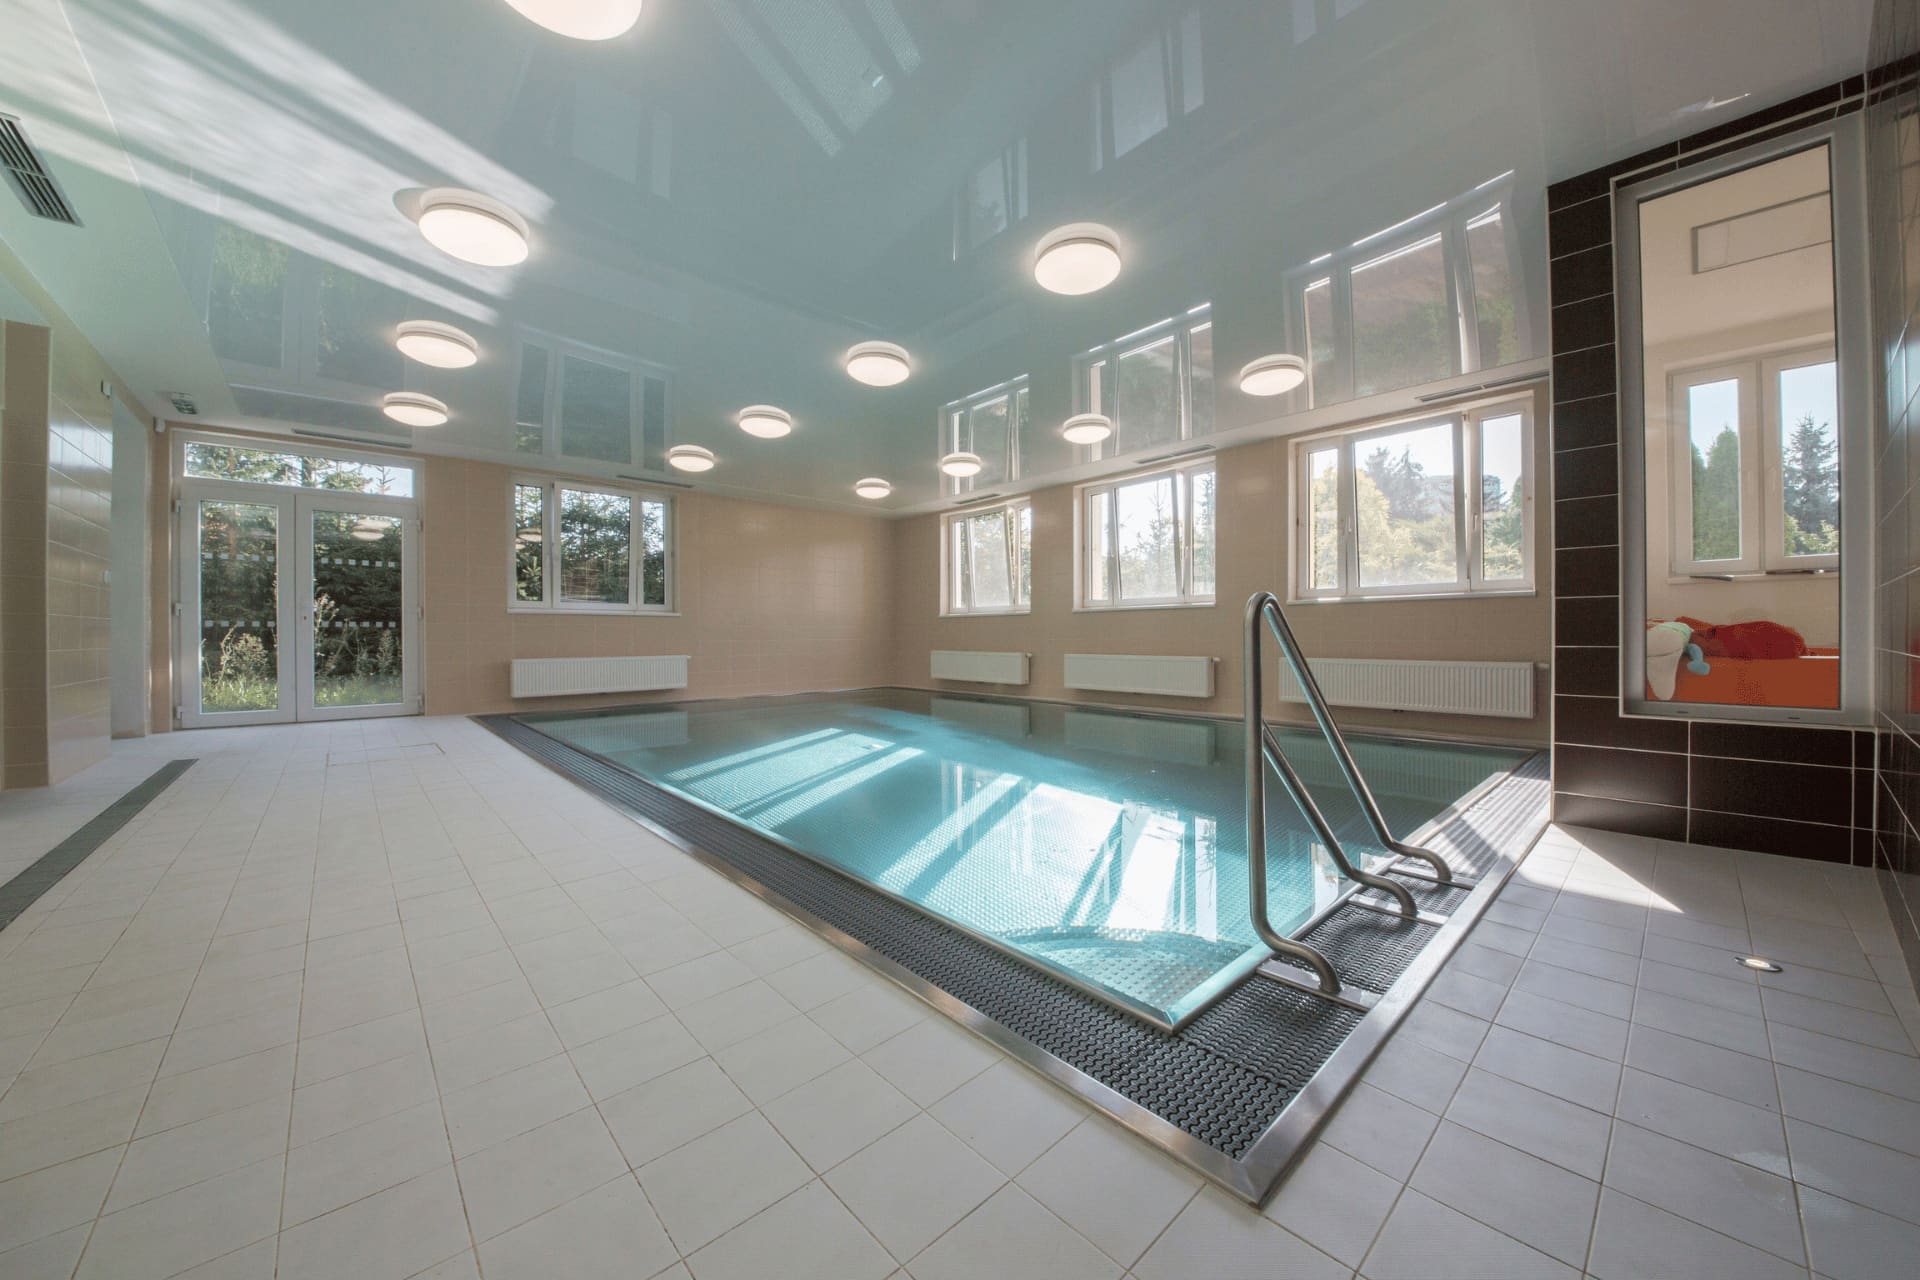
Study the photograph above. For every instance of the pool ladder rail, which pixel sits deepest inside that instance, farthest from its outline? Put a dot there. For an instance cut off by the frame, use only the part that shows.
(1263, 752)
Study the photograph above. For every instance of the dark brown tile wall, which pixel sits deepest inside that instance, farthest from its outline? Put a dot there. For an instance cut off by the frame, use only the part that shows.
(1801, 791)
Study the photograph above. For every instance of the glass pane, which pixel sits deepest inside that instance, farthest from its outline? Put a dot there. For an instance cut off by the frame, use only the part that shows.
(1502, 499)
(296, 470)
(246, 297)
(1139, 97)
(1713, 431)
(653, 553)
(987, 202)
(529, 535)
(596, 411)
(1099, 545)
(596, 547)
(1810, 460)
(1323, 526)
(957, 562)
(1492, 290)
(1403, 331)
(239, 606)
(1023, 540)
(1146, 397)
(1403, 495)
(1203, 570)
(356, 610)
(356, 320)
(1200, 380)
(1320, 339)
(987, 427)
(1149, 519)
(530, 402)
(987, 551)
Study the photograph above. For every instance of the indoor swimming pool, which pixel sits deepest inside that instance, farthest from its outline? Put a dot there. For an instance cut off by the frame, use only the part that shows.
(1108, 847)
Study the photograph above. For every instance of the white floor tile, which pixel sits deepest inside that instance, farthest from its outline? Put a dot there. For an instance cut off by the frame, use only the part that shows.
(394, 1234)
(1425, 1240)
(1009, 1115)
(1219, 1239)
(1110, 1187)
(714, 1183)
(343, 1167)
(1012, 1233)
(809, 1235)
(834, 1115)
(523, 1177)
(1334, 1203)
(671, 1110)
(1723, 1195)
(1636, 1241)
(610, 1233)
(907, 1213)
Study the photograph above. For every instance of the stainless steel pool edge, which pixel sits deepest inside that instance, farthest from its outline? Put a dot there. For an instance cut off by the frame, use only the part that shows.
(1254, 1178)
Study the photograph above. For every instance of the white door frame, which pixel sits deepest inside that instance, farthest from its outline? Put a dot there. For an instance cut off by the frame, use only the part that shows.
(307, 503)
(188, 631)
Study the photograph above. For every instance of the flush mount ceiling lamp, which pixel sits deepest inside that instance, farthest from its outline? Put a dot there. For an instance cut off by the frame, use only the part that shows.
(371, 528)
(873, 488)
(1081, 257)
(878, 364)
(410, 408)
(962, 465)
(473, 228)
(691, 457)
(582, 19)
(1273, 375)
(765, 421)
(1087, 428)
(436, 344)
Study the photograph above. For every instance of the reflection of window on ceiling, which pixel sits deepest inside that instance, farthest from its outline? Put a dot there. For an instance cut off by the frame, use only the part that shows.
(993, 199)
(272, 309)
(620, 136)
(1140, 93)
(1428, 298)
(991, 423)
(575, 401)
(841, 79)
(1310, 17)
(1155, 383)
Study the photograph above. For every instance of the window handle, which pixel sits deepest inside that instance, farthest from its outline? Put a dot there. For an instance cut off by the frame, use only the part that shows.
(1790, 573)
(1711, 577)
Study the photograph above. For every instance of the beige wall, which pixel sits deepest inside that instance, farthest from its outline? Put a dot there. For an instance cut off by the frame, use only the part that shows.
(1252, 556)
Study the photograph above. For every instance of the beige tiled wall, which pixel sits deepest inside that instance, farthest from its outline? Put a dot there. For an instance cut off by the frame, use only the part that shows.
(79, 509)
(24, 437)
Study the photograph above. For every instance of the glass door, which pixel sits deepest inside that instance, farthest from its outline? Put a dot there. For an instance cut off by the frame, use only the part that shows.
(233, 613)
(355, 635)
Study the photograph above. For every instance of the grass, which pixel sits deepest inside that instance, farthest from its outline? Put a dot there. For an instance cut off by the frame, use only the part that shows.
(260, 693)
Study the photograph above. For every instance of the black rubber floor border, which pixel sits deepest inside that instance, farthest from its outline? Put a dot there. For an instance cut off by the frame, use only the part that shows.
(25, 889)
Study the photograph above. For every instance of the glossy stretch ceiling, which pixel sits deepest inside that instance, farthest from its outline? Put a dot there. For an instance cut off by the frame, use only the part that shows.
(727, 197)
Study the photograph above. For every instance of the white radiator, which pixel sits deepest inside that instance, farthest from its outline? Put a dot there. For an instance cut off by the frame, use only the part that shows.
(547, 677)
(1139, 673)
(1452, 688)
(979, 666)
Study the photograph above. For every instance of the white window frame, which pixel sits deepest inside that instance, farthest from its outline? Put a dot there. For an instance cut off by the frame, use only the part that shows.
(1469, 580)
(1182, 49)
(1090, 563)
(1096, 378)
(549, 601)
(553, 398)
(1011, 161)
(956, 431)
(1762, 467)
(956, 561)
(1448, 222)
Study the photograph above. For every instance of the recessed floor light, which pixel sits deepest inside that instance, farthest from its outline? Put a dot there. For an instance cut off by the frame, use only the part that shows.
(878, 364)
(410, 408)
(1759, 963)
(962, 464)
(1087, 428)
(436, 344)
(872, 488)
(1273, 375)
(1078, 258)
(765, 421)
(473, 228)
(582, 19)
(691, 457)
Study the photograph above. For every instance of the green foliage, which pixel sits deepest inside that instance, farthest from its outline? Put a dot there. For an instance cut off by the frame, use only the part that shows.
(1502, 531)
(1716, 498)
(1810, 489)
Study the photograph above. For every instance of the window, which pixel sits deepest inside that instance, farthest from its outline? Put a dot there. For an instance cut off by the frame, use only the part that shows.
(575, 402)
(1148, 539)
(990, 560)
(1428, 298)
(1434, 506)
(1136, 97)
(1156, 384)
(993, 199)
(991, 423)
(1756, 466)
(208, 460)
(587, 548)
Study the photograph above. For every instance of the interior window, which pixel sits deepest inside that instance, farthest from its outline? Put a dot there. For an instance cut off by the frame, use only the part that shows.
(581, 547)
(990, 560)
(1156, 384)
(1149, 539)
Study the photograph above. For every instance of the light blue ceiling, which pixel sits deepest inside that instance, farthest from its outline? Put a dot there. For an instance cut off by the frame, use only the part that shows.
(728, 196)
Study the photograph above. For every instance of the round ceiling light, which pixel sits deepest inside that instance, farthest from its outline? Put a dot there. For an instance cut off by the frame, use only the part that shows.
(878, 364)
(1080, 257)
(961, 465)
(872, 488)
(436, 344)
(473, 228)
(372, 528)
(691, 457)
(1273, 375)
(1087, 428)
(765, 421)
(582, 19)
(412, 409)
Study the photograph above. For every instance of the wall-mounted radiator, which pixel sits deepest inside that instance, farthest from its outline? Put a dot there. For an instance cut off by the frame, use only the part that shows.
(979, 666)
(1448, 688)
(549, 677)
(1139, 673)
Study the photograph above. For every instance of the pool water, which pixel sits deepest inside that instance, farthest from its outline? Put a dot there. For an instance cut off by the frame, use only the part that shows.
(1107, 847)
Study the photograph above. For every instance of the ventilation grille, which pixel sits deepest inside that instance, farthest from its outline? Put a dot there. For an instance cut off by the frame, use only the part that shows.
(38, 191)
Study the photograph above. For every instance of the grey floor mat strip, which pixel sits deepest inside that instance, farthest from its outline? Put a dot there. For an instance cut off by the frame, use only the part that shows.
(1223, 1079)
(21, 892)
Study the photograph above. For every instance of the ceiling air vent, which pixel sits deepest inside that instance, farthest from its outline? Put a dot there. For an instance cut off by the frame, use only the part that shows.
(182, 403)
(38, 191)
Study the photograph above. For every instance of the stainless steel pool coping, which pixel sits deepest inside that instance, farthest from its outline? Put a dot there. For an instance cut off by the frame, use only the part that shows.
(1255, 1176)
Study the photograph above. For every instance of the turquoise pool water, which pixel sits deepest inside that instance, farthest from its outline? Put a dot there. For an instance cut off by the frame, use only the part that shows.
(1105, 846)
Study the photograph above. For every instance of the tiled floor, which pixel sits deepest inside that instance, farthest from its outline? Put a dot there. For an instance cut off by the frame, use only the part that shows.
(387, 999)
